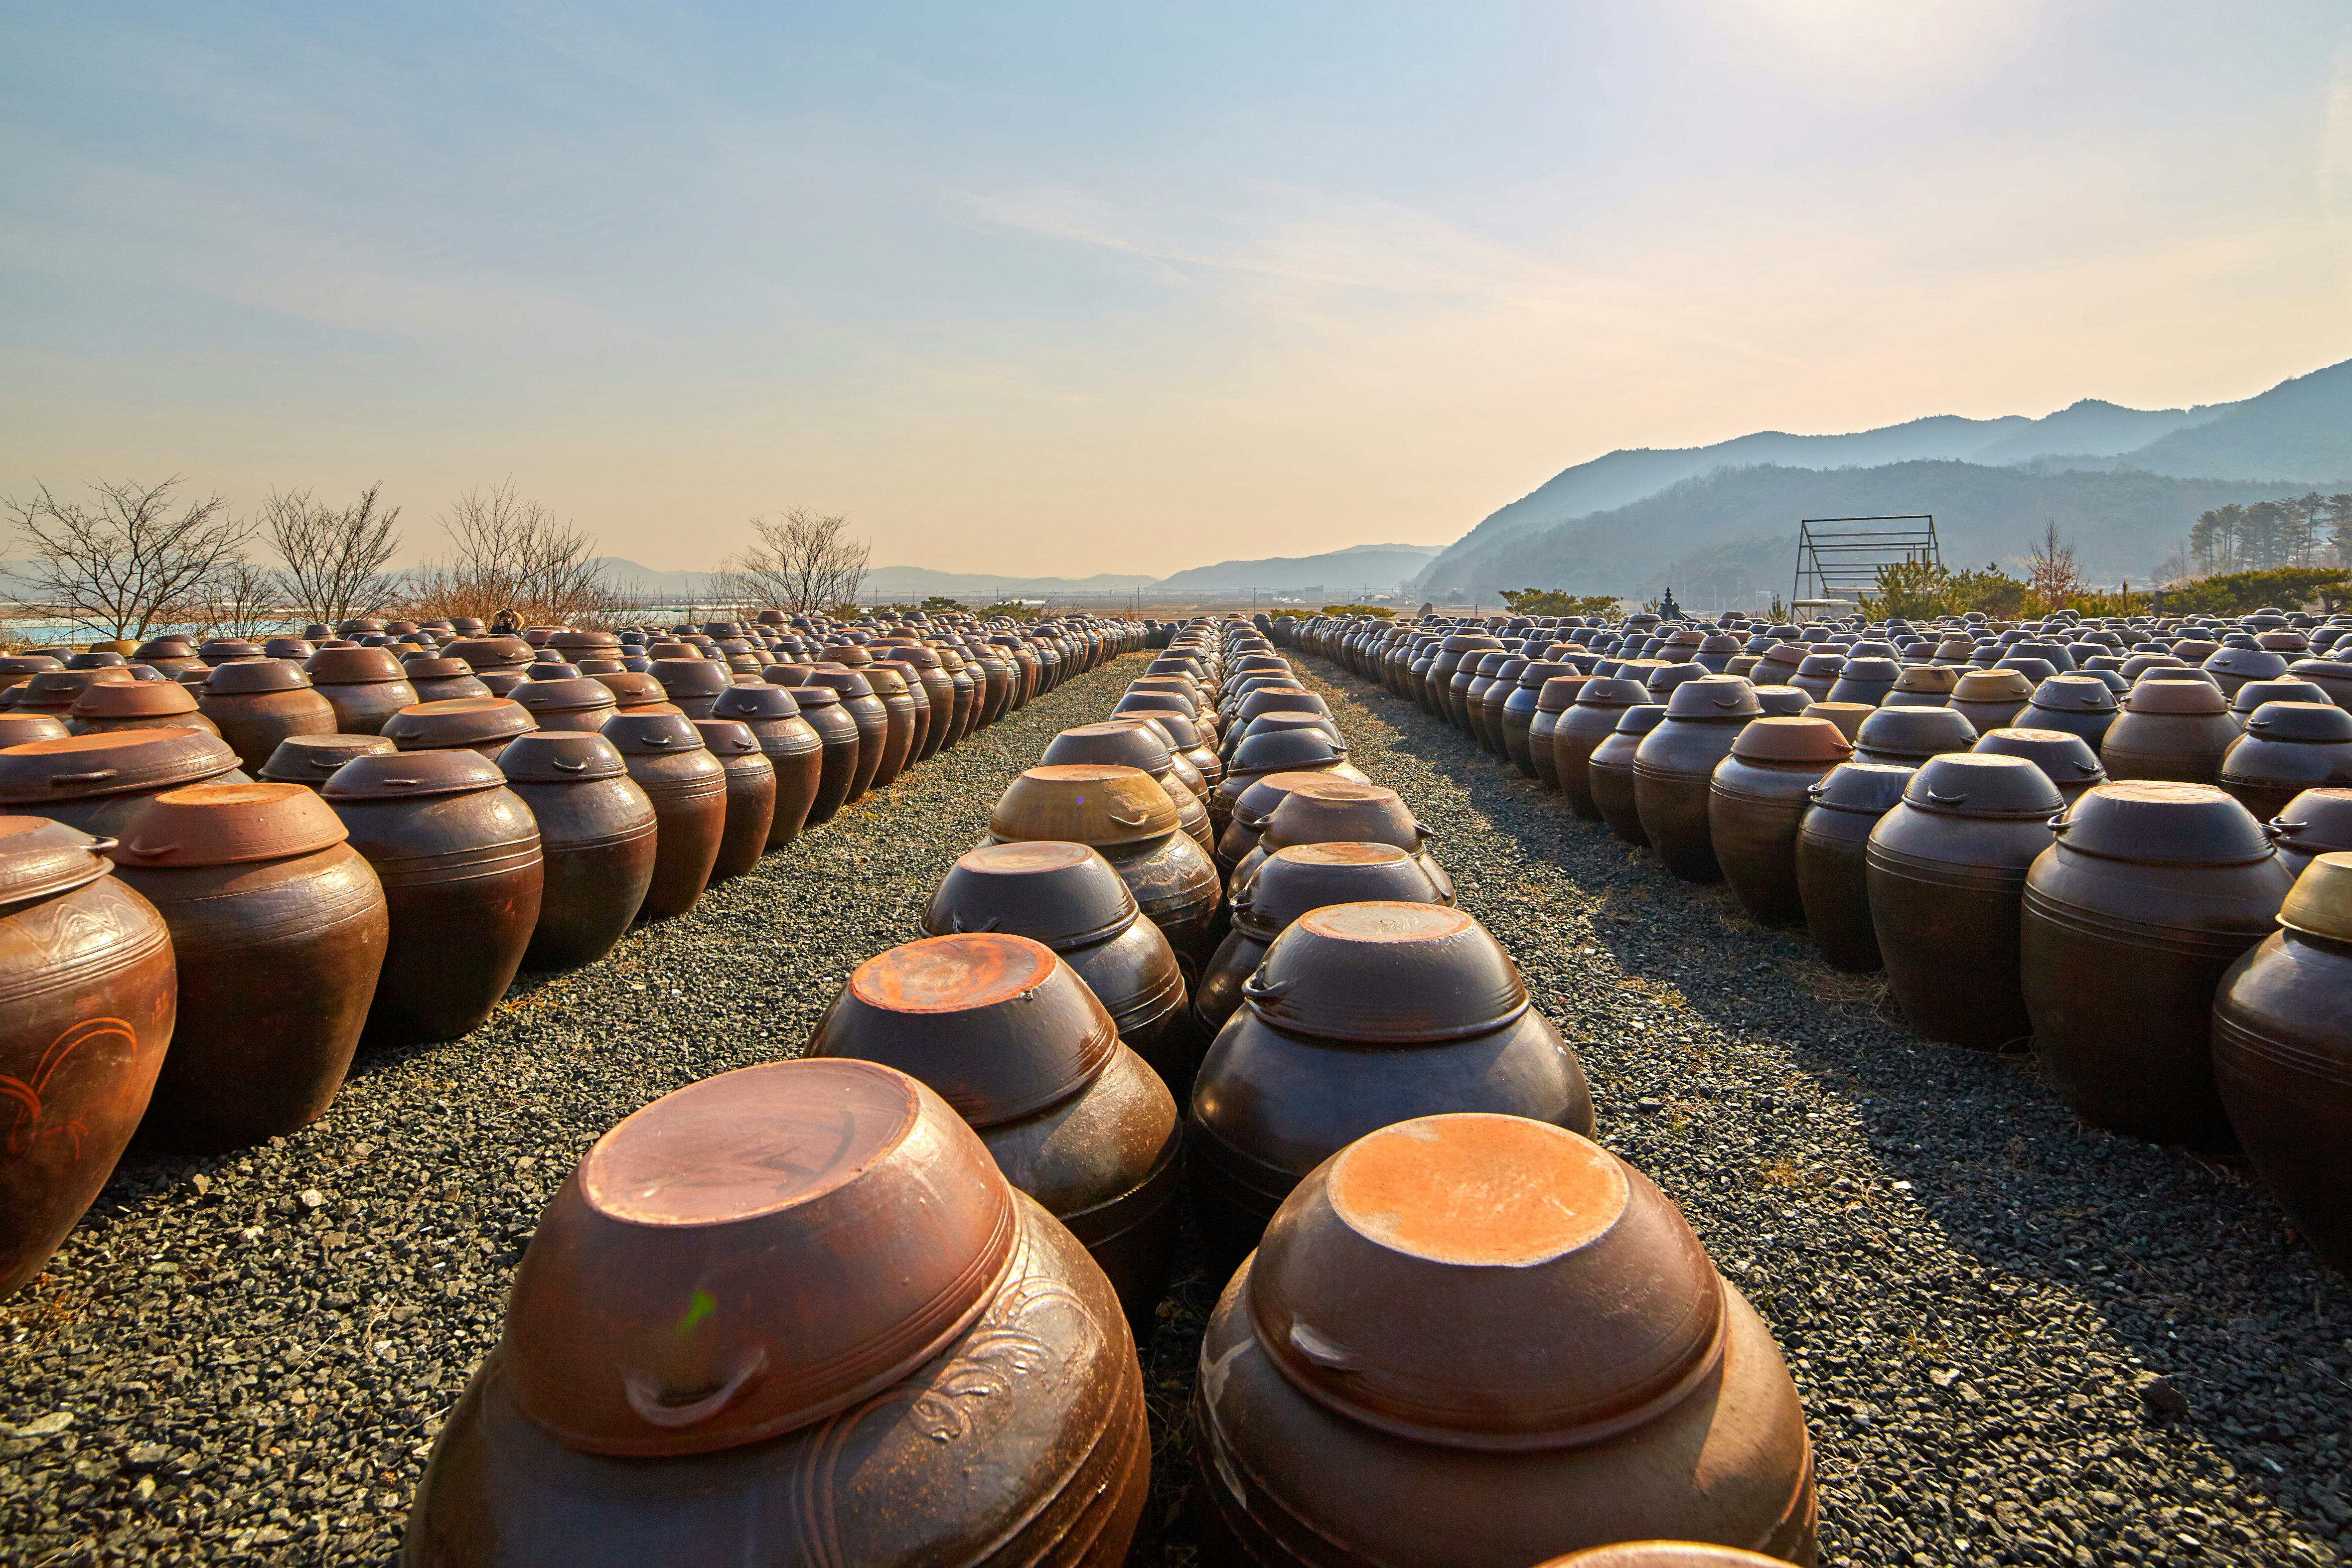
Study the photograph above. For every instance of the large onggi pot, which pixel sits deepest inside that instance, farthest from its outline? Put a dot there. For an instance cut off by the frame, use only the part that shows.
(1832, 844)
(257, 704)
(792, 746)
(365, 687)
(1609, 771)
(2151, 892)
(279, 929)
(838, 748)
(751, 796)
(102, 783)
(88, 994)
(459, 855)
(688, 787)
(1674, 769)
(597, 842)
(1759, 795)
(1126, 816)
(794, 1313)
(1589, 720)
(1481, 1340)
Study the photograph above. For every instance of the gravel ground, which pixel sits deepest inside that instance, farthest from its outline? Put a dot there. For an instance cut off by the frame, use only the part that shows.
(2020, 1340)
(245, 1358)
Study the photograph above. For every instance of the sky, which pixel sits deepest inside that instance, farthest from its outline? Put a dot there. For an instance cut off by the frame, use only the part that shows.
(1069, 288)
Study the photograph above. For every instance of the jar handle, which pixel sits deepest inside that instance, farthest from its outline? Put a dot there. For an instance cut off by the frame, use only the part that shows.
(958, 927)
(1128, 822)
(570, 767)
(647, 1400)
(1947, 800)
(62, 781)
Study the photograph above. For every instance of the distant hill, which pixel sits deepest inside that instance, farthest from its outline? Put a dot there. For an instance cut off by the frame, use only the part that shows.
(2298, 434)
(1379, 568)
(884, 582)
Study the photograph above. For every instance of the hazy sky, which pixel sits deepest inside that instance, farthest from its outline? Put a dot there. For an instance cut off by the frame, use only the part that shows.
(1093, 286)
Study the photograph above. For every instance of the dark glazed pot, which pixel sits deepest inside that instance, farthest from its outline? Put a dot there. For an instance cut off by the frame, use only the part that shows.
(1758, 795)
(459, 859)
(1946, 872)
(904, 718)
(2079, 704)
(310, 760)
(1363, 1014)
(2288, 747)
(2170, 730)
(1833, 841)
(1674, 769)
(102, 783)
(1322, 810)
(2283, 1056)
(792, 746)
(597, 841)
(1609, 771)
(1992, 699)
(1514, 722)
(259, 703)
(688, 787)
(1865, 680)
(444, 680)
(2315, 822)
(692, 1354)
(2068, 760)
(1008, 1035)
(751, 796)
(838, 749)
(474, 724)
(113, 706)
(1907, 736)
(1132, 745)
(582, 703)
(87, 994)
(1067, 896)
(1589, 722)
(1295, 879)
(1125, 815)
(365, 687)
(857, 698)
(279, 929)
(2150, 894)
(1553, 702)
(1479, 1338)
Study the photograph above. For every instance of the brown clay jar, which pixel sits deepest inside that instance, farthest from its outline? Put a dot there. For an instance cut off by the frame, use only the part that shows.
(2175, 730)
(279, 929)
(1757, 797)
(583, 703)
(1008, 1034)
(1992, 699)
(687, 786)
(1123, 814)
(751, 796)
(1609, 771)
(899, 685)
(2068, 760)
(459, 855)
(1360, 1016)
(257, 704)
(1674, 769)
(365, 687)
(474, 724)
(1482, 1338)
(1587, 724)
(792, 746)
(2283, 1056)
(2315, 822)
(310, 760)
(857, 698)
(1554, 699)
(838, 746)
(597, 843)
(1513, 723)
(87, 996)
(136, 704)
(1295, 879)
(1946, 871)
(2288, 747)
(101, 783)
(965, 1333)
(2151, 892)
(443, 680)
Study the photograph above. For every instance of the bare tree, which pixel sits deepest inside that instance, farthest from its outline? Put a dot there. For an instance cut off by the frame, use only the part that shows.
(337, 558)
(241, 600)
(802, 562)
(2052, 569)
(132, 562)
(510, 552)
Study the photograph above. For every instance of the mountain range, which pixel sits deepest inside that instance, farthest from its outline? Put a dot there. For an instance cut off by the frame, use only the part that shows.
(2124, 483)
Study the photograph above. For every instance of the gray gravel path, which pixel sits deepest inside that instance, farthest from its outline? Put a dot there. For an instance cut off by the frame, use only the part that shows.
(243, 1358)
(2020, 1340)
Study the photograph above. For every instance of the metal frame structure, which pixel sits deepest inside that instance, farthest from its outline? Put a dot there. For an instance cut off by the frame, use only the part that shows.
(1841, 562)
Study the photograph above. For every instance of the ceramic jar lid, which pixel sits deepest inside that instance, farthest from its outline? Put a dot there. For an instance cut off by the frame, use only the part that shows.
(353, 666)
(752, 1253)
(400, 775)
(247, 676)
(111, 762)
(2152, 823)
(1063, 894)
(1927, 679)
(692, 677)
(756, 702)
(632, 688)
(1488, 1282)
(1814, 742)
(1298, 878)
(1869, 787)
(1280, 750)
(1559, 693)
(2285, 689)
(1387, 973)
(134, 699)
(582, 693)
(1969, 784)
(458, 721)
(850, 684)
(1118, 744)
(1612, 692)
(313, 758)
(2063, 755)
(1085, 803)
(1256, 804)
(2316, 722)
(1714, 697)
(1992, 686)
(560, 757)
(2074, 693)
(997, 1024)
(39, 858)
(1327, 809)
(727, 736)
(23, 728)
(230, 824)
(641, 733)
(2194, 697)
(2320, 902)
(1903, 732)
(1641, 719)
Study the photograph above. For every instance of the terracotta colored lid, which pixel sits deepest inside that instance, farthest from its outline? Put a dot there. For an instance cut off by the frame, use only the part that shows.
(401, 775)
(579, 695)
(1559, 693)
(431, 667)
(1641, 719)
(60, 689)
(632, 688)
(2320, 902)
(727, 737)
(560, 757)
(1063, 894)
(1088, 803)
(1386, 972)
(133, 699)
(2074, 693)
(1913, 734)
(1992, 686)
(1713, 696)
(313, 758)
(850, 684)
(757, 702)
(994, 1022)
(752, 1253)
(458, 721)
(246, 676)
(229, 824)
(39, 858)
(2152, 823)
(582, 642)
(1485, 1282)
(1258, 802)
(1663, 1554)
(807, 697)
(111, 762)
(1327, 809)
(2315, 722)
(1297, 878)
(489, 652)
(2195, 698)
(691, 677)
(652, 734)
(353, 666)
(1969, 784)
(1792, 740)
(1872, 789)
(1927, 678)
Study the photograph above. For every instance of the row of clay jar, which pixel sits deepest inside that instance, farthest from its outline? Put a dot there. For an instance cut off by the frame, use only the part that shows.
(2009, 890)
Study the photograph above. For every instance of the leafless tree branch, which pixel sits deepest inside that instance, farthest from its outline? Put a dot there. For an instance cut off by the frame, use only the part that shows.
(337, 558)
(132, 562)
